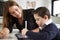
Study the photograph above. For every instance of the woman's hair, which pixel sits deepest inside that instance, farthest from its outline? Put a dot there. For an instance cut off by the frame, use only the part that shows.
(42, 11)
(6, 14)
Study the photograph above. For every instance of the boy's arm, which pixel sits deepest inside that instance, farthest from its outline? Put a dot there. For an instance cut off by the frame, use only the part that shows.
(47, 34)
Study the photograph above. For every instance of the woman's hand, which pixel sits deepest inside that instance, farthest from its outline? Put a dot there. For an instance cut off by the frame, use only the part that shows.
(4, 33)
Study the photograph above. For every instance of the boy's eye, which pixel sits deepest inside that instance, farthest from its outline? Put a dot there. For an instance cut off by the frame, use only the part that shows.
(37, 19)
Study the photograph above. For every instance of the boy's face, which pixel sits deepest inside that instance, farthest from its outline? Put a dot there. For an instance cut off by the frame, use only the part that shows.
(39, 20)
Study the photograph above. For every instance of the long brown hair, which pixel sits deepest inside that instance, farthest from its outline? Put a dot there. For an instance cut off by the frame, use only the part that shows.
(6, 14)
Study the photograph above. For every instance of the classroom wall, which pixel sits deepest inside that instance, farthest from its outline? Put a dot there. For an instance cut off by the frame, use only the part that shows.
(39, 3)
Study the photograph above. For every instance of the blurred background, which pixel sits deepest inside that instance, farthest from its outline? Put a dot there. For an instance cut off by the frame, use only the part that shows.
(30, 4)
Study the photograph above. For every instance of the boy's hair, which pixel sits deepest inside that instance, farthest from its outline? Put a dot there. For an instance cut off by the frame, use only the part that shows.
(42, 11)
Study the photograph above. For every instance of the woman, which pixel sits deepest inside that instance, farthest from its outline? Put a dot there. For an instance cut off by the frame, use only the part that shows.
(12, 15)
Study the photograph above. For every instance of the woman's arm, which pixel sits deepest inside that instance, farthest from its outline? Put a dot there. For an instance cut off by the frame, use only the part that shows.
(4, 33)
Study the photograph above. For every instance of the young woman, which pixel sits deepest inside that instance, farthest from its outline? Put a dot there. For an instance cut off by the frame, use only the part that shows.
(12, 15)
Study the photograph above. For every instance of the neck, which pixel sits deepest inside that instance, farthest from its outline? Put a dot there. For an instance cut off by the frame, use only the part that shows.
(20, 20)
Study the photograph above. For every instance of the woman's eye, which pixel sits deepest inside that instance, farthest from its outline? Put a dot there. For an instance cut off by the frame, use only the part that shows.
(16, 9)
(13, 12)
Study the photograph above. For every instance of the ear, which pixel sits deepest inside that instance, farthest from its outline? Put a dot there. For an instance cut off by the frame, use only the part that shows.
(45, 17)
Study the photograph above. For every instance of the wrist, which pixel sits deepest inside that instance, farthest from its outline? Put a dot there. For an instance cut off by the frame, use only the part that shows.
(5, 30)
(35, 30)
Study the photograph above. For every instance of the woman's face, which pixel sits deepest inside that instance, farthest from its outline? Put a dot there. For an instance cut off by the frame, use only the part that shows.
(15, 11)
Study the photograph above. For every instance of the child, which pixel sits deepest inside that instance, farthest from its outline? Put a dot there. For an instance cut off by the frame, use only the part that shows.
(49, 29)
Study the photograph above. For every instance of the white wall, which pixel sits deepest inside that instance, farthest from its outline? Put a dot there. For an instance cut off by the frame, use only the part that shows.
(39, 3)
(5, 0)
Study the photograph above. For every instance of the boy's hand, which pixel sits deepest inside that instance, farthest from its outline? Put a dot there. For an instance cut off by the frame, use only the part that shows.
(24, 31)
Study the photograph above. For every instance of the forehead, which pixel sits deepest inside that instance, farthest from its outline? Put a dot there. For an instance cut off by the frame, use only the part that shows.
(36, 16)
(13, 7)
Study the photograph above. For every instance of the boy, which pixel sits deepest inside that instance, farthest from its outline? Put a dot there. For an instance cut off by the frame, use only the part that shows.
(49, 30)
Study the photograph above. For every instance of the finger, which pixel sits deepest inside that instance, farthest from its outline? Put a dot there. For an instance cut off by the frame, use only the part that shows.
(20, 15)
(1, 35)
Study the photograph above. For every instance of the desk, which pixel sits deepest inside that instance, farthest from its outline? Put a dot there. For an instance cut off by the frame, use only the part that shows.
(12, 35)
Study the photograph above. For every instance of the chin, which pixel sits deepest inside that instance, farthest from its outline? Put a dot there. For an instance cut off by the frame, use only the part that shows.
(40, 25)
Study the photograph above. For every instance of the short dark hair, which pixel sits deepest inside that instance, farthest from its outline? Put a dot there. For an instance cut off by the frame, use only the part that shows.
(41, 11)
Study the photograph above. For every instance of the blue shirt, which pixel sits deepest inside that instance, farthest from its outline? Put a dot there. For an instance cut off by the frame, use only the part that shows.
(49, 32)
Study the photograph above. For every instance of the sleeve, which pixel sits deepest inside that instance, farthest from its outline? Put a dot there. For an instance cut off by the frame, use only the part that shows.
(20, 26)
(10, 26)
(28, 15)
(48, 34)
(57, 36)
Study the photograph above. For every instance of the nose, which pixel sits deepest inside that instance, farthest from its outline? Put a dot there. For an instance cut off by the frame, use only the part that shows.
(36, 22)
(16, 13)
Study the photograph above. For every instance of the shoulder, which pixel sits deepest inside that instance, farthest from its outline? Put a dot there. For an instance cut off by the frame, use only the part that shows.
(51, 26)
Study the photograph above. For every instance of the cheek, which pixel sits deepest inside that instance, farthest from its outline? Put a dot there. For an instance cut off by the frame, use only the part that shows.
(13, 15)
(38, 22)
(42, 22)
